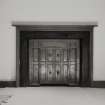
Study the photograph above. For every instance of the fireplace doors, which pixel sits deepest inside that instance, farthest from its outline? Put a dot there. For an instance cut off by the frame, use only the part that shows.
(54, 61)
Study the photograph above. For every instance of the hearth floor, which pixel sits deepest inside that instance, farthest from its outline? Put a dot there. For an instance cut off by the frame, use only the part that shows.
(54, 96)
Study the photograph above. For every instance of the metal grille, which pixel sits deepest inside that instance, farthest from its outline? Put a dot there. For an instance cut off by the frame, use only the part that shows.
(54, 61)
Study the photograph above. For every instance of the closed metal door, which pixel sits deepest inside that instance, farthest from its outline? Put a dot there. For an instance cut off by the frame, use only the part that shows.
(54, 61)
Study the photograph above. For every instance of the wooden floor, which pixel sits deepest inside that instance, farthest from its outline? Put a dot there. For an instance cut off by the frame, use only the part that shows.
(54, 96)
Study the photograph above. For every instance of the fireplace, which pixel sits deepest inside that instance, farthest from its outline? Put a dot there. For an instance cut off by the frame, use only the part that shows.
(57, 53)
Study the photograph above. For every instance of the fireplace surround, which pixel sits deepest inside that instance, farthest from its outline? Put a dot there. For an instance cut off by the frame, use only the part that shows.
(55, 32)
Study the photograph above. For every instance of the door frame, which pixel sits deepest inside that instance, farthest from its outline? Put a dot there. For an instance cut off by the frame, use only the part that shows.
(83, 32)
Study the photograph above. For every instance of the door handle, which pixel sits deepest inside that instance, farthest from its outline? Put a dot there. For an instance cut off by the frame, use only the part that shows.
(50, 72)
(57, 72)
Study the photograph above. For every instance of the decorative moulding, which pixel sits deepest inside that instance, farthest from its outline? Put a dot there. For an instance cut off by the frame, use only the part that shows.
(58, 23)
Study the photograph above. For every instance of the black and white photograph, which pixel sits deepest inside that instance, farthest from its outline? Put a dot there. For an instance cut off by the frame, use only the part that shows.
(52, 52)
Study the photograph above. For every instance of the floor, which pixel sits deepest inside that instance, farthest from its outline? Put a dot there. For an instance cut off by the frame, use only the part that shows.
(54, 96)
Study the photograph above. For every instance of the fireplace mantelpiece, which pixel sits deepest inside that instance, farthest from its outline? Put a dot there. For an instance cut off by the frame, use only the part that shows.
(72, 30)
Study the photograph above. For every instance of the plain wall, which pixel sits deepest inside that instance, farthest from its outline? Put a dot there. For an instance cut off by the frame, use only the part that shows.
(49, 10)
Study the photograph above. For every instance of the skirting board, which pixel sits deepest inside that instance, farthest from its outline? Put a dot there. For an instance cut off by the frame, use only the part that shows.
(98, 84)
(95, 84)
(7, 84)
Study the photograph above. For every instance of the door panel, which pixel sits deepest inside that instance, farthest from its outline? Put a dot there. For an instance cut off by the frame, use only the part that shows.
(50, 72)
(33, 62)
(65, 55)
(49, 54)
(42, 54)
(58, 54)
(35, 72)
(43, 71)
(65, 72)
(58, 72)
(35, 54)
(54, 61)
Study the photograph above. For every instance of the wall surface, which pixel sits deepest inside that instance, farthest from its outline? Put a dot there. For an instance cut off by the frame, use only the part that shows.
(49, 10)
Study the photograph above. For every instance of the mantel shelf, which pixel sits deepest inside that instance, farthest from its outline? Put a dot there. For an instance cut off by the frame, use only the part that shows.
(55, 23)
